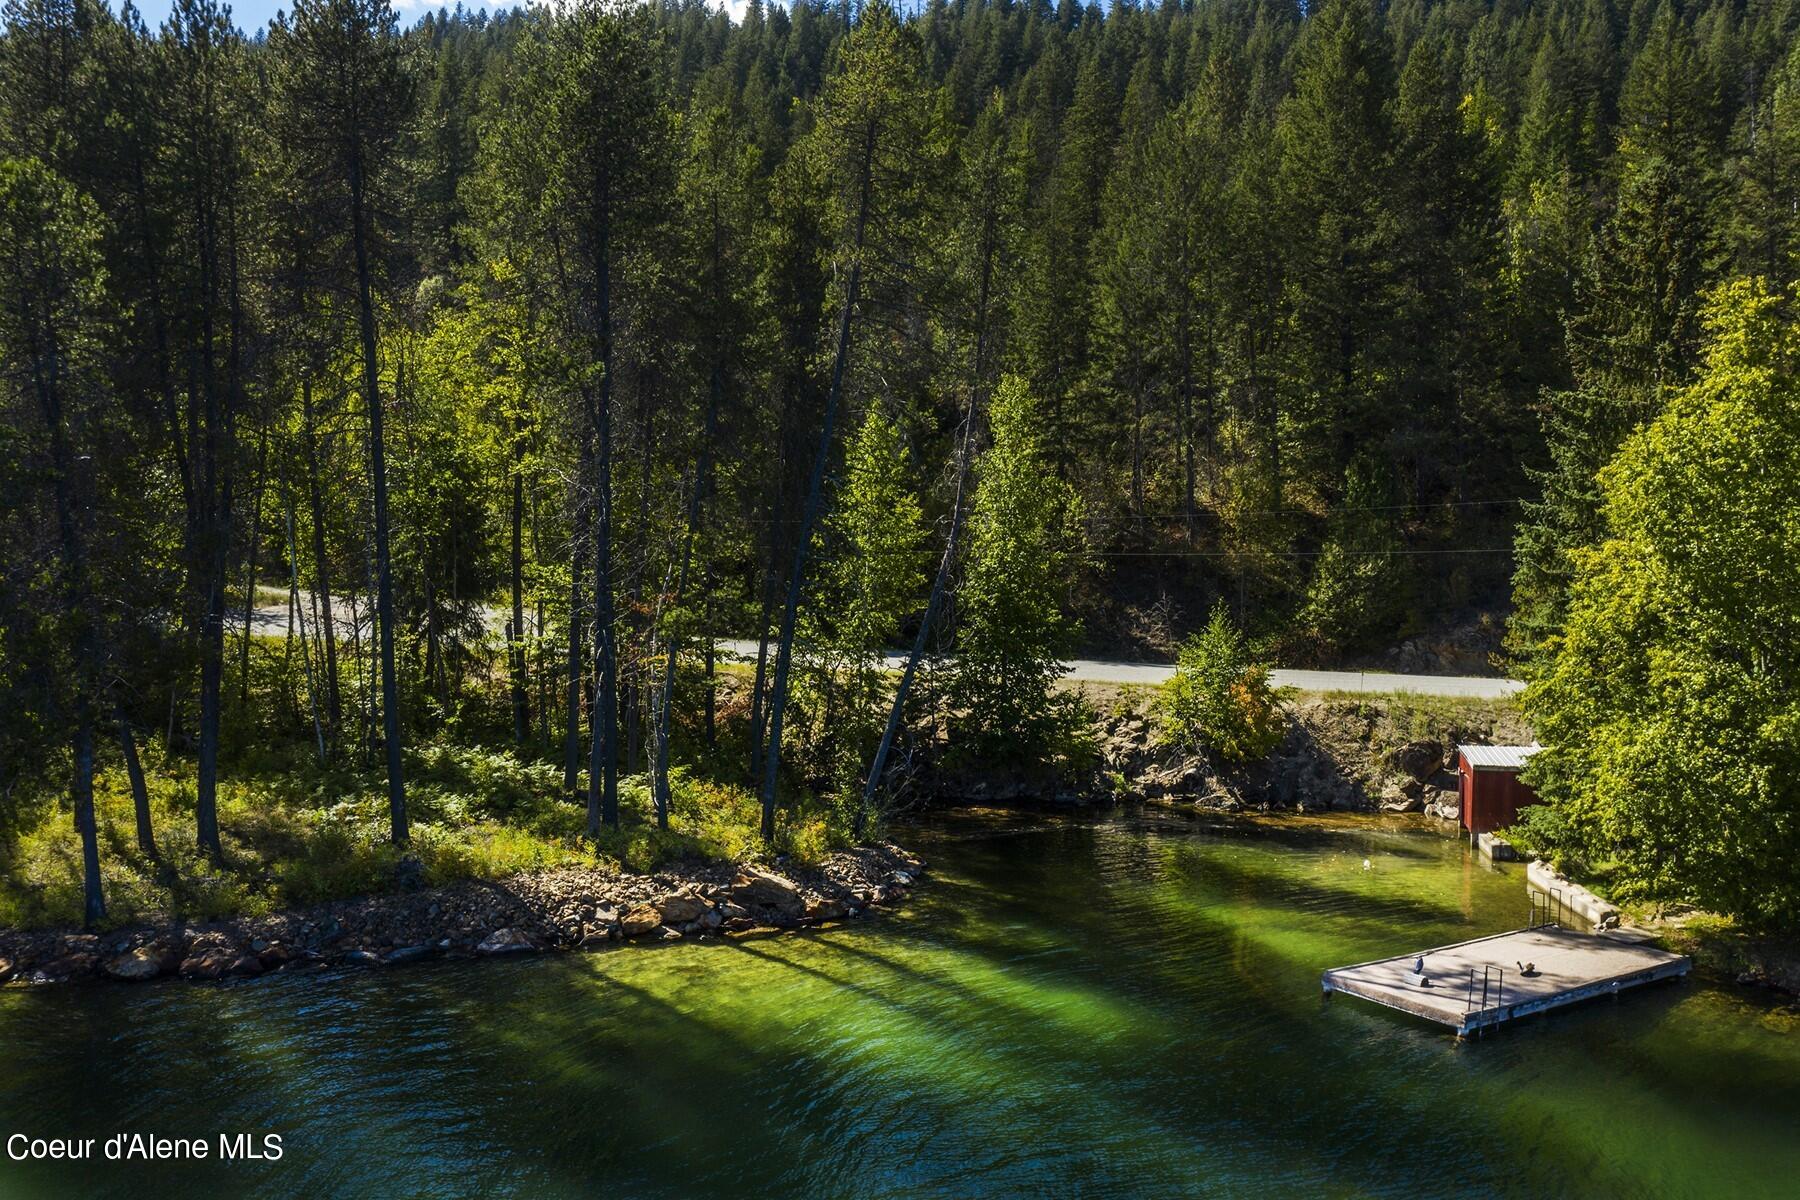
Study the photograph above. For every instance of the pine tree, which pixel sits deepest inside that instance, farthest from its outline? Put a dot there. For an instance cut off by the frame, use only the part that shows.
(1024, 545)
(1335, 143)
(1636, 330)
(868, 128)
(344, 96)
(609, 141)
(52, 382)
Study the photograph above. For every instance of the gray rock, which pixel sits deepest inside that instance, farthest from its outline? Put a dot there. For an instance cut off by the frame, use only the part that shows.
(406, 954)
(506, 941)
(363, 958)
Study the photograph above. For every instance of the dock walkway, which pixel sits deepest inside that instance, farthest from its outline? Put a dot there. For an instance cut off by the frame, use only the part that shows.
(1477, 984)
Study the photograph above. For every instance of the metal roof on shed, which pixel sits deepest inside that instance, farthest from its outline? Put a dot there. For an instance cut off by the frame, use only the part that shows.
(1498, 757)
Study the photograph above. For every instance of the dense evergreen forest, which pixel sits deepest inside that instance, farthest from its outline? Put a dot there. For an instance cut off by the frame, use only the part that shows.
(520, 356)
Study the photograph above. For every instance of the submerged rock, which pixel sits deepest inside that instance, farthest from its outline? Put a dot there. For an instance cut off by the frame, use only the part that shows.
(824, 908)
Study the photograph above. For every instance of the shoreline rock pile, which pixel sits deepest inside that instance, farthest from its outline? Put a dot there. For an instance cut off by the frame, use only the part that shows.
(571, 908)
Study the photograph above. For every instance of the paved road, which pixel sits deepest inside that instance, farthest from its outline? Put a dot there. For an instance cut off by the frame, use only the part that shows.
(1095, 670)
(271, 621)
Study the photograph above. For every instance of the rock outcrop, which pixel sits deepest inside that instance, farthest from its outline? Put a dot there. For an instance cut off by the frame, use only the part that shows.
(1375, 754)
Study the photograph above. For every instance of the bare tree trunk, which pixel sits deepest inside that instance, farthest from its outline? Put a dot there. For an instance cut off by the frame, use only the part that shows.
(964, 457)
(758, 689)
(709, 655)
(572, 728)
(312, 689)
(603, 768)
(140, 795)
(660, 780)
(45, 371)
(214, 546)
(815, 492)
(327, 624)
(262, 458)
(515, 632)
(384, 579)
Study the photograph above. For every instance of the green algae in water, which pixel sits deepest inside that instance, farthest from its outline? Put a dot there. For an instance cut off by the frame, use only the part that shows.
(1123, 1008)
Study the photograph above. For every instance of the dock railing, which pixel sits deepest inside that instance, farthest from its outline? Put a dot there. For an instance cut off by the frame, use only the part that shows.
(1547, 909)
(1493, 984)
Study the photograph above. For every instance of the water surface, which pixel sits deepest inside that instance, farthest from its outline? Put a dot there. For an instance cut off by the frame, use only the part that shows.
(1123, 1008)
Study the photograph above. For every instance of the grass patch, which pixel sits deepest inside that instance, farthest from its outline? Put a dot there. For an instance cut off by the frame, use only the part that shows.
(297, 835)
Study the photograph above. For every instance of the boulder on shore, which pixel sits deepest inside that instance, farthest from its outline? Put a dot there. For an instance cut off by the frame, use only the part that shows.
(210, 963)
(757, 888)
(641, 920)
(6, 969)
(506, 941)
(681, 908)
(824, 908)
(138, 966)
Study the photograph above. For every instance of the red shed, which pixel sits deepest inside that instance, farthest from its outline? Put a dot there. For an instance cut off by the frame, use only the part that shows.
(1491, 792)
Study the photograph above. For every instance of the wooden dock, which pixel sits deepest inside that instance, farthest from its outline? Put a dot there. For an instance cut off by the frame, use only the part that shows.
(1475, 985)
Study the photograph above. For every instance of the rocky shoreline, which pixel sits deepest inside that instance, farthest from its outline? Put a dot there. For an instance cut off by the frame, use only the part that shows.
(559, 910)
(1360, 755)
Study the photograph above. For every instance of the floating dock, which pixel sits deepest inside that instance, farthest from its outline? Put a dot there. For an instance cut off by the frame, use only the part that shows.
(1471, 986)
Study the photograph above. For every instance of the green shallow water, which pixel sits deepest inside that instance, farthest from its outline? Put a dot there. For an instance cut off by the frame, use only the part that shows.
(1128, 1008)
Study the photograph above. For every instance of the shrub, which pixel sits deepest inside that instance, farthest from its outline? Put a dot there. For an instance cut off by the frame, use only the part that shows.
(1219, 700)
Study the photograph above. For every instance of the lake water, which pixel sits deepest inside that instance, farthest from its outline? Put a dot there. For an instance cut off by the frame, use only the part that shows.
(1124, 1008)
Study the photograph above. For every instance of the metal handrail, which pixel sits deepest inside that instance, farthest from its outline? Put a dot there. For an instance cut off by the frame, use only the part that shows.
(1548, 909)
(1493, 979)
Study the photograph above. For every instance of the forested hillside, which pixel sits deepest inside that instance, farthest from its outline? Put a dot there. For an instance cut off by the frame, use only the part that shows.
(985, 326)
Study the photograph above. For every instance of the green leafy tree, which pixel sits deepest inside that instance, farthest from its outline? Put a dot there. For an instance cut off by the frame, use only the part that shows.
(1668, 713)
(1219, 700)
